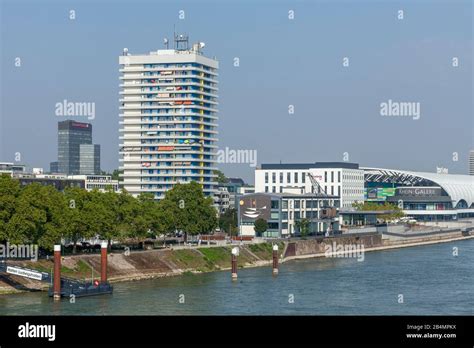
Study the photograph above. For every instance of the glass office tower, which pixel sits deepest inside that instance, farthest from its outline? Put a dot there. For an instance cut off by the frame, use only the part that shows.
(89, 159)
(71, 135)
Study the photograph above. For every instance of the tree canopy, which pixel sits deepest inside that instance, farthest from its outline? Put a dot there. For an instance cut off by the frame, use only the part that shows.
(394, 211)
(260, 226)
(45, 216)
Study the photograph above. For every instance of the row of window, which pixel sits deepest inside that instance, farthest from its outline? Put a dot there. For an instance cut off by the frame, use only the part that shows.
(331, 191)
(177, 88)
(178, 65)
(296, 175)
(427, 206)
(176, 111)
(329, 176)
(175, 156)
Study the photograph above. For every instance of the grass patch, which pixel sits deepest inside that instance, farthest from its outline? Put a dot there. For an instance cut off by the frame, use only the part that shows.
(189, 259)
(216, 255)
(265, 250)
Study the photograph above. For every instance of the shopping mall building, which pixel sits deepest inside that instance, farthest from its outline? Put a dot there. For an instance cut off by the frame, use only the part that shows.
(423, 196)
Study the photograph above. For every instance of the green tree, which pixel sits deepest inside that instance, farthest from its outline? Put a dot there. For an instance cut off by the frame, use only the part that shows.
(189, 210)
(80, 219)
(228, 221)
(9, 192)
(116, 174)
(53, 230)
(221, 178)
(119, 210)
(260, 226)
(303, 227)
(394, 212)
(37, 218)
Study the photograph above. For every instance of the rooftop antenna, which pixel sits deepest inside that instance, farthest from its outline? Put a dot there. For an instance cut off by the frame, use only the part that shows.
(181, 42)
(166, 43)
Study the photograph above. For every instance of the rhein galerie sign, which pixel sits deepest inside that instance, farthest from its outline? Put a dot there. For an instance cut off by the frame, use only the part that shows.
(419, 191)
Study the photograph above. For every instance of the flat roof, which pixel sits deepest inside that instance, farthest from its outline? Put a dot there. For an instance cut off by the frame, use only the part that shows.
(366, 212)
(346, 165)
(297, 195)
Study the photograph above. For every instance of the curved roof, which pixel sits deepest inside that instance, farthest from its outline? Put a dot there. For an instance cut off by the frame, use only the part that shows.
(458, 187)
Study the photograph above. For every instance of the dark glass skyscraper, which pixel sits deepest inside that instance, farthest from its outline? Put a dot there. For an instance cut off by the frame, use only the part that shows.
(89, 159)
(71, 135)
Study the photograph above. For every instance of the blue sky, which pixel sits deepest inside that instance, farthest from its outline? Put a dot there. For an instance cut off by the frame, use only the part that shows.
(282, 62)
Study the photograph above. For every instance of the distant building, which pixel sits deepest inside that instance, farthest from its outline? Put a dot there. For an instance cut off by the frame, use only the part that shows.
(11, 168)
(62, 181)
(89, 159)
(471, 162)
(71, 135)
(282, 211)
(221, 199)
(54, 167)
(245, 190)
(234, 188)
(97, 182)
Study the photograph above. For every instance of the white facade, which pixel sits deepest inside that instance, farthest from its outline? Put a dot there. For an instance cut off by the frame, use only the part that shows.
(11, 168)
(222, 199)
(347, 183)
(98, 182)
(286, 209)
(168, 120)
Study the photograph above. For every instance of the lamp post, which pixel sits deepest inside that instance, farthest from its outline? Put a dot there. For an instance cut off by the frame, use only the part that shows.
(275, 260)
(235, 253)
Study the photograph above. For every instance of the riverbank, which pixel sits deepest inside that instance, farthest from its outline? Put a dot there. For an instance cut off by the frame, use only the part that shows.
(168, 262)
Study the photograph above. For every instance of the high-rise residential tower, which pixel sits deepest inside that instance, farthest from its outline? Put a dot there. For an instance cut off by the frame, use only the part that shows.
(168, 119)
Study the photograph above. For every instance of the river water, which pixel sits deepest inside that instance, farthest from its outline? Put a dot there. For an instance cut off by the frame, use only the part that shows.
(426, 279)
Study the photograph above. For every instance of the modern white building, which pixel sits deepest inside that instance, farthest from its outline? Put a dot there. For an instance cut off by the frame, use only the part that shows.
(423, 196)
(12, 169)
(168, 119)
(221, 199)
(98, 182)
(282, 211)
(342, 179)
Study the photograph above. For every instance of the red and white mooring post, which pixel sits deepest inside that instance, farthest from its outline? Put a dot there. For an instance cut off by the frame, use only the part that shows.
(275, 259)
(235, 253)
(57, 273)
(103, 263)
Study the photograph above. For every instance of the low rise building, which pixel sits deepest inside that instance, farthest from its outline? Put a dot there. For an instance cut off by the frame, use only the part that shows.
(12, 168)
(62, 181)
(342, 179)
(221, 199)
(423, 196)
(98, 182)
(283, 210)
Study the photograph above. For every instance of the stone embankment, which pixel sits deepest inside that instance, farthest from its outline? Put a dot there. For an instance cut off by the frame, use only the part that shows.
(168, 262)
